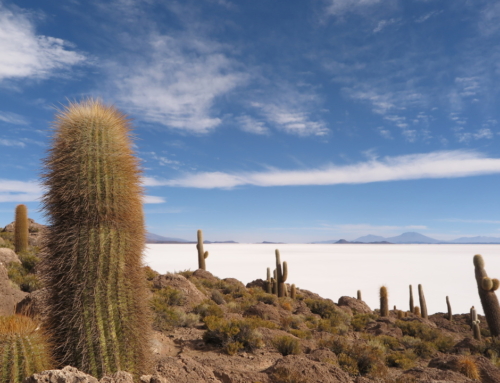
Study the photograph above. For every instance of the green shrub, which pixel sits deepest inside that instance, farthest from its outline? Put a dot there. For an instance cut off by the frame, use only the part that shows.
(217, 297)
(286, 375)
(26, 281)
(359, 321)
(168, 296)
(286, 345)
(150, 273)
(348, 364)
(208, 308)
(166, 318)
(223, 332)
(322, 307)
(302, 334)
(425, 349)
(268, 299)
(401, 359)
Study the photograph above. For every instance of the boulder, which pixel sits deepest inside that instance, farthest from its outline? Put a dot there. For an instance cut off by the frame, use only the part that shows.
(191, 293)
(33, 304)
(2, 241)
(431, 375)
(10, 294)
(257, 283)
(204, 274)
(297, 368)
(67, 375)
(488, 372)
(118, 377)
(184, 369)
(357, 306)
(8, 255)
(264, 311)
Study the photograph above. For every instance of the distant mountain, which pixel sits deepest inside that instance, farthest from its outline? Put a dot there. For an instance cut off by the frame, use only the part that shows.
(412, 237)
(326, 242)
(370, 238)
(478, 239)
(155, 238)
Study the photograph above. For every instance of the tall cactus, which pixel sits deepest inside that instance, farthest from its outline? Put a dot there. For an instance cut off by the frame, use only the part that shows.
(24, 349)
(281, 274)
(384, 302)
(293, 291)
(412, 305)
(449, 316)
(486, 288)
(423, 305)
(92, 266)
(269, 283)
(21, 226)
(202, 255)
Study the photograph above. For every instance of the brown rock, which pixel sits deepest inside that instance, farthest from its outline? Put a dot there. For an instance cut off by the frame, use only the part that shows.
(33, 304)
(2, 241)
(185, 370)
(489, 373)
(301, 369)
(153, 379)
(204, 274)
(264, 311)
(241, 376)
(10, 294)
(384, 326)
(434, 375)
(323, 355)
(67, 375)
(192, 294)
(118, 377)
(357, 306)
(8, 255)
(257, 283)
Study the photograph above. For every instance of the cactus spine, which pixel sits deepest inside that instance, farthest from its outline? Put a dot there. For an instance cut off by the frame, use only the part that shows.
(359, 295)
(21, 226)
(421, 298)
(202, 255)
(281, 274)
(92, 263)
(489, 300)
(24, 349)
(293, 292)
(384, 302)
(412, 306)
(450, 314)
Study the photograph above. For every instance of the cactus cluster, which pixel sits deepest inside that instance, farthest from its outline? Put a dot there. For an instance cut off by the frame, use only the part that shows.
(202, 255)
(281, 275)
(489, 300)
(21, 229)
(92, 262)
(475, 324)
(24, 349)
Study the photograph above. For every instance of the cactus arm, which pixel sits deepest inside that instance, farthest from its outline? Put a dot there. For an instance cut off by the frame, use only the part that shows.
(285, 272)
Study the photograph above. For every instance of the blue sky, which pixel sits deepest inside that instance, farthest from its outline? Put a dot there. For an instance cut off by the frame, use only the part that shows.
(289, 121)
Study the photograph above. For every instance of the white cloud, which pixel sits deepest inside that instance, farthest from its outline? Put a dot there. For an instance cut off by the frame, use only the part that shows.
(471, 220)
(483, 133)
(19, 191)
(384, 23)
(13, 118)
(337, 7)
(28, 55)
(149, 199)
(427, 16)
(177, 82)
(7, 142)
(386, 133)
(251, 125)
(442, 164)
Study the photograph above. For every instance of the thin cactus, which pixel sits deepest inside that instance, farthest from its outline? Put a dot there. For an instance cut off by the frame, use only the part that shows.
(384, 302)
(450, 314)
(269, 284)
(202, 255)
(488, 297)
(359, 295)
(412, 306)
(423, 305)
(24, 349)
(92, 263)
(21, 229)
(293, 292)
(281, 274)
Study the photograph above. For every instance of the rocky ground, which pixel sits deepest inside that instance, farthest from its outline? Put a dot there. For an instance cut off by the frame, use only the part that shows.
(212, 330)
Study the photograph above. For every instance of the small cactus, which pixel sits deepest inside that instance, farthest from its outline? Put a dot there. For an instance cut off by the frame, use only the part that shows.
(293, 292)
(411, 300)
(476, 330)
(24, 349)
(359, 295)
(449, 316)
(202, 255)
(21, 226)
(281, 274)
(269, 283)
(384, 302)
(423, 305)
(487, 295)
(416, 311)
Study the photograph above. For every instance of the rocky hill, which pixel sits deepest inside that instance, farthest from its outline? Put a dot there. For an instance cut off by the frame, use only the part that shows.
(208, 329)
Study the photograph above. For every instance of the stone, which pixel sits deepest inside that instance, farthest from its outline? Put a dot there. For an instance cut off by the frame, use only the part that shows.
(67, 375)
(10, 294)
(204, 274)
(33, 304)
(191, 293)
(8, 255)
(118, 377)
(357, 306)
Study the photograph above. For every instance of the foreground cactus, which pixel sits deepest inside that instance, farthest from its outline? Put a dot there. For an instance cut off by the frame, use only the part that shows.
(423, 305)
(24, 349)
(92, 264)
(21, 226)
(281, 274)
(384, 302)
(202, 255)
(489, 300)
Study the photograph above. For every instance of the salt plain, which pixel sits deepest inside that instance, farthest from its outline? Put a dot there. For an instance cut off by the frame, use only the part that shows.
(336, 270)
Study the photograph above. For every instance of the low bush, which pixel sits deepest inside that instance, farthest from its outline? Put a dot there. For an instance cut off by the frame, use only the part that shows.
(286, 345)
(359, 321)
(468, 367)
(224, 332)
(286, 375)
(217, 297)
(27, 282)
(401, 359)
(209, 308)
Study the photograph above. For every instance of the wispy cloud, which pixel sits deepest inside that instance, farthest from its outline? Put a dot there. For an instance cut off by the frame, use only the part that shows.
(13, 118)
(427, 16)
(19, 191)
(175, 82)
(493, 222)
(28, 55)
(251, 125)
(383, 24)
(8, 142)
(442, 164)
(337, 7)
(149, 199)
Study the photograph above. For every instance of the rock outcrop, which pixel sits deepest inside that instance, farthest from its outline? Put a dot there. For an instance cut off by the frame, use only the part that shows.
(10, 294)
(8, 255)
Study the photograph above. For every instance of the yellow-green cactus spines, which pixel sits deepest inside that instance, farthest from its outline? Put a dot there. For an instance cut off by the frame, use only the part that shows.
(92, 263)
(21, 229)
(489, 299)
(24, 349)
(384, 302)
(416, 311)
(269, 284)
(423, 305)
